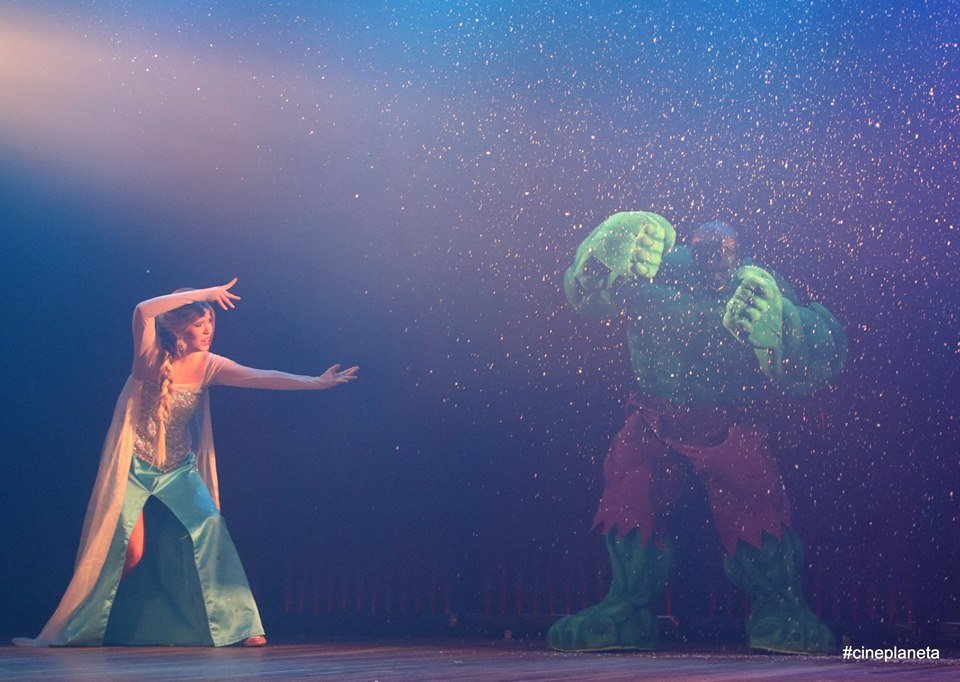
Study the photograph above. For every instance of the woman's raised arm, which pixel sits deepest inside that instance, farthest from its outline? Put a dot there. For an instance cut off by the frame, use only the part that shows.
(144, 331)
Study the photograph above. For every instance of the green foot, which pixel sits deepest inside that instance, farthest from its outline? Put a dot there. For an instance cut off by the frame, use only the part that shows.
(623, 621)
(608, 626)
(780, 620)
(787, 628)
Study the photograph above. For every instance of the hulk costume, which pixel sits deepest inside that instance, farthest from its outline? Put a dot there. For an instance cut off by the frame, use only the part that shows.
(709, 336)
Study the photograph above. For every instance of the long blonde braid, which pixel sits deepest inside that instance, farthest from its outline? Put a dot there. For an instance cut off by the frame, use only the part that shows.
(163, 409)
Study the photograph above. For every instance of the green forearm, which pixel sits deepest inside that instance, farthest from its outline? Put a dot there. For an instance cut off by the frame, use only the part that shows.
(812, 352)
(589, 301)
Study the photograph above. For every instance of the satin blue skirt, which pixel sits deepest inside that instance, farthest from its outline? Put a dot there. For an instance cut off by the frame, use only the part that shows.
(188, 590)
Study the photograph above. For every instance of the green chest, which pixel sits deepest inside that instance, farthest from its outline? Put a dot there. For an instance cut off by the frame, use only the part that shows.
(681, 351)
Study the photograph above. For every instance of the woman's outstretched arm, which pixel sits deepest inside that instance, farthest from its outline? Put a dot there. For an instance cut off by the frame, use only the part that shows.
(225, 372)
(144, 331)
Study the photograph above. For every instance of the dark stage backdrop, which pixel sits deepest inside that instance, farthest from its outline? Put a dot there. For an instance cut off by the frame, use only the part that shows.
(400, 186)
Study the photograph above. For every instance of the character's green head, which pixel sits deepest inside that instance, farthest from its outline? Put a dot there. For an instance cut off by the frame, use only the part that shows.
(714, 252)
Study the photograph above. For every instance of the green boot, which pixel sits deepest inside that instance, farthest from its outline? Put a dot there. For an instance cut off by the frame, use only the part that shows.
(623, 620)
(780, 620)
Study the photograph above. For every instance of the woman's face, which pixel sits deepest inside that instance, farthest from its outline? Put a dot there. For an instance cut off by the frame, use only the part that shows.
(199, 334)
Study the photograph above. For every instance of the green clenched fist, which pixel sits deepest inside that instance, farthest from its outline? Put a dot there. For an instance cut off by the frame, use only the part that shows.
(754, 313)
(632, 243)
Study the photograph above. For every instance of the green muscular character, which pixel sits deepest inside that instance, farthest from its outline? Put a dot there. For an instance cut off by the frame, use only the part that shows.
(709, 334)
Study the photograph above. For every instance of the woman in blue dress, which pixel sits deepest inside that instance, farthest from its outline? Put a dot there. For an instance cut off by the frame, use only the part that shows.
(156, 565)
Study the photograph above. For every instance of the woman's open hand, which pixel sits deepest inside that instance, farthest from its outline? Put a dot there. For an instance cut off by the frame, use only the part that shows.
(333, 376)
(223, 296)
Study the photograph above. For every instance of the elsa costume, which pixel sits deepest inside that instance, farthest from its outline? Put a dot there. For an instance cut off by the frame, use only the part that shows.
(189, 589)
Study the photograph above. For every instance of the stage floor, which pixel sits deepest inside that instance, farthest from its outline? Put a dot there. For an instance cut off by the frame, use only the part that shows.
(443, 660)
